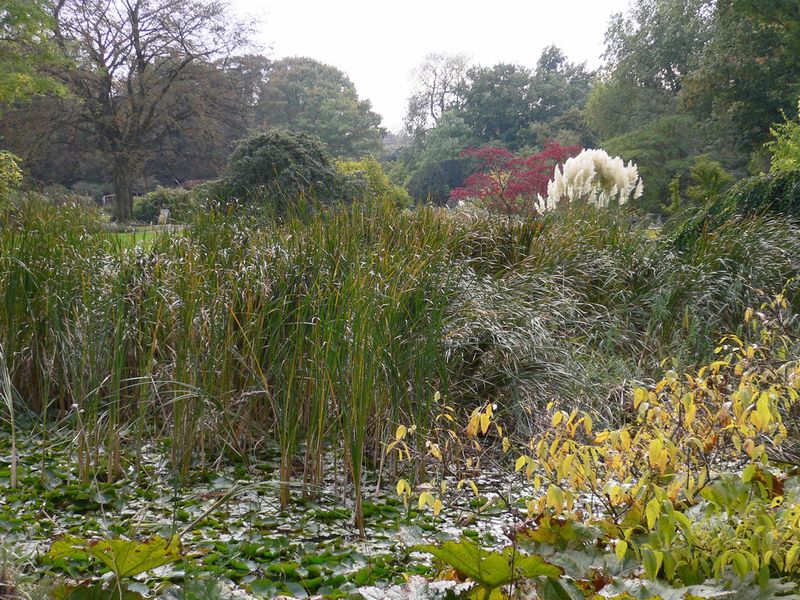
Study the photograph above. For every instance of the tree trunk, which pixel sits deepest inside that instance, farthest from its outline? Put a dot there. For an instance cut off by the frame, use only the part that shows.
(123, 195)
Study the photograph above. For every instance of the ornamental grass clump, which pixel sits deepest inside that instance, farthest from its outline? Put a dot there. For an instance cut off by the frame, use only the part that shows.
(592, 178)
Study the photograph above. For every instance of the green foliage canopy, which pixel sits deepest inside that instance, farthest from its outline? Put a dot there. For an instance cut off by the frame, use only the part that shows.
(302, 94)
(24, 49)
(750, 69)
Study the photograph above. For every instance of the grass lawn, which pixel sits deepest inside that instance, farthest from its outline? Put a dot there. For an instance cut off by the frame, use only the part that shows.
(143, 235)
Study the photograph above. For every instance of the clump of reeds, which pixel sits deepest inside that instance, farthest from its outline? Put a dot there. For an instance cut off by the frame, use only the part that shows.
(323, 331)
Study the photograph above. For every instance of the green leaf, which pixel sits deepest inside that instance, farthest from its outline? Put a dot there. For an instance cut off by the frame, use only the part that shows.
(125, 558)
(558, 589)
(297, 590)
(491, 569)
(95, 591)
(68, 547)
(651, 559)
(621, 549)
(739, 563)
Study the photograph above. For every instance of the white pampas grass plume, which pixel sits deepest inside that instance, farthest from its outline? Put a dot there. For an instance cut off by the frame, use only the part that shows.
(594, 178)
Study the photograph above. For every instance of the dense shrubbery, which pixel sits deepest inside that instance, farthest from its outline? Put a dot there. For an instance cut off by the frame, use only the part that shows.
(774, 193)
(181, 204)
(365, 179)
(433, 181)
(690, 488)
(785, 145)
(279, 168)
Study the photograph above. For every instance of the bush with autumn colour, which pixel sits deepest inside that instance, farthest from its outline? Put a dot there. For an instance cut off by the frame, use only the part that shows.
(510, 184)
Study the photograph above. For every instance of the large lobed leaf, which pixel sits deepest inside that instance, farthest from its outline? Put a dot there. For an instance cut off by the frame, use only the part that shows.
(491, 569)
(125, 558)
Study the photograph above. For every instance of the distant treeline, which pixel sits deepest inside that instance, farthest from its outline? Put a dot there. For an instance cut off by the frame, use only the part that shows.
(139, 106)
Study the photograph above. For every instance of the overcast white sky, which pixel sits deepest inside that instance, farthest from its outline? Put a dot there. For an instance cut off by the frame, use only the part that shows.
(378, 43)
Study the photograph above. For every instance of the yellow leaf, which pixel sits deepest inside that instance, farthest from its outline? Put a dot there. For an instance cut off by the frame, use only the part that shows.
(400, 433)
(485, 421)
(652, 511)
(690, 414)
(403, 487)
(621, 549)
(655, 450)
(519, 464)
(791, 557)
(507, 446)
(764, 414)
(625, 439)
(474, 488)
(602, 437)
(437, 507)
(557, 417)
(425, 498)
(529, 469)
(472, 427)
(567, 465)
(555, 498)
(639, 396)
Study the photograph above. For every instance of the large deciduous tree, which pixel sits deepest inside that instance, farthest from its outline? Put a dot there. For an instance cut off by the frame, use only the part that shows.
(305, 95)
(218, 97)
(658, 42)
(131, 62)
(750, 71)
(518, 107)
(558, 85)
(498, 104)
(650, 52)
(439, 85)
